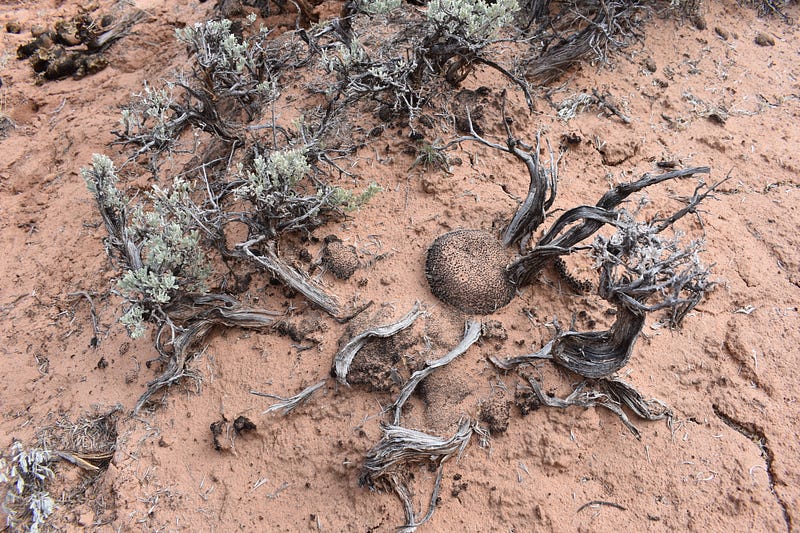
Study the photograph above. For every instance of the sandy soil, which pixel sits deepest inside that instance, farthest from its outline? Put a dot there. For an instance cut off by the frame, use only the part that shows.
(728, 461)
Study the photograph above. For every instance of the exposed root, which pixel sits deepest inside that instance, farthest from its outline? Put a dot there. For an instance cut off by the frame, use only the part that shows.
(199, 315)
(386, 464)
(614, 394)
(287, 405)
(344, 357)
(471, 335)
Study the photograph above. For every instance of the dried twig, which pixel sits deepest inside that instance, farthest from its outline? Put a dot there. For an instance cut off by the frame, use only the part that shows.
(200, 314)
(344, 357)
(598, 503)
(510, 363)
(543, 181)
(268, 259)
(471, 335)
(554, 243)
(400, 447)
(603, 101)
(92, 313)
(578, 31)
(287, 405)
(586, 399)
(613, 394)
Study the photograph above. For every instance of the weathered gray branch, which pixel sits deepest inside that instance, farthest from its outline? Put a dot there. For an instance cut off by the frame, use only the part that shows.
(344, 357)
(471, 335)
(268, 259)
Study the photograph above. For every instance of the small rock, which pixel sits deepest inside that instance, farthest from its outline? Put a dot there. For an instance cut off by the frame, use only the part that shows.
(12, 26)
(699, 22)
(428, 186)
(38, 30)
(764, 39)
(722, 32)
(650, 64)
(615, 153)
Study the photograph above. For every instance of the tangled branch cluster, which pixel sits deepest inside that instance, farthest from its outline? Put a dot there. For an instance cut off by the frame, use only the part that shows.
(255, 181)
(169, 241)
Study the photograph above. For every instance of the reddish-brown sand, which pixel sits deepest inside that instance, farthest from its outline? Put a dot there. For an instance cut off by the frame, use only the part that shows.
(733, 364)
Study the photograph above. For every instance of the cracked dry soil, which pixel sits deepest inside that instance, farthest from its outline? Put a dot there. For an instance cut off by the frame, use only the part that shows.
(728, 460)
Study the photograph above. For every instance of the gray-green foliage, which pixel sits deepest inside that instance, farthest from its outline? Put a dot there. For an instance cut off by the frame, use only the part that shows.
(379, 7)
(173, 259)
(162, 239)
(27, 502)
(403, 67)
(284, 196)
(149, 119)
(157, 241)
(225, 67)
(274, 176)
(232, 66)
(475, 21)
(101, 180)
(350, 201)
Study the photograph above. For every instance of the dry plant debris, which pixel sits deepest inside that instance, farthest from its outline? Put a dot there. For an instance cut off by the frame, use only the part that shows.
(54, 53)
(168, 241)
(344, 358)
(258, 182)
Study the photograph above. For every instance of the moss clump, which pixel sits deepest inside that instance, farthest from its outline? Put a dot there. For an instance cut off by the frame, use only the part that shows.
(467, 269)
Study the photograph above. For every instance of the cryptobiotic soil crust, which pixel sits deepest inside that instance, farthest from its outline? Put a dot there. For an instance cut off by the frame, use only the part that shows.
(728, 460)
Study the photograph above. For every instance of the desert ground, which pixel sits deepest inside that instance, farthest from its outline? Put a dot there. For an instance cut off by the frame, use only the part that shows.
(718, 87)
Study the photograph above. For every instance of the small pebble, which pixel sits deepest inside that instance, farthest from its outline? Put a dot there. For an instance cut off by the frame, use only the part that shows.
(650, 64)
(722, 32)
(12, 26)
(764, 39)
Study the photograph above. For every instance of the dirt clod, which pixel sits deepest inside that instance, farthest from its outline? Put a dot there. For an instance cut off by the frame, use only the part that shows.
(526, 400)
(764, 39)
(218, 430)
(242, 424)
(699, 22)
(375, 365)
(339, 258)
(495, 413)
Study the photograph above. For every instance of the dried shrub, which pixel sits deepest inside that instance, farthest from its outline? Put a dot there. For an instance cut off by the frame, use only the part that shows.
(171, 243)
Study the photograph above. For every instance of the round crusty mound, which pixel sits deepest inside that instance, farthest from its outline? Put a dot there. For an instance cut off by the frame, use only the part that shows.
(467, 269)
(340, 258)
